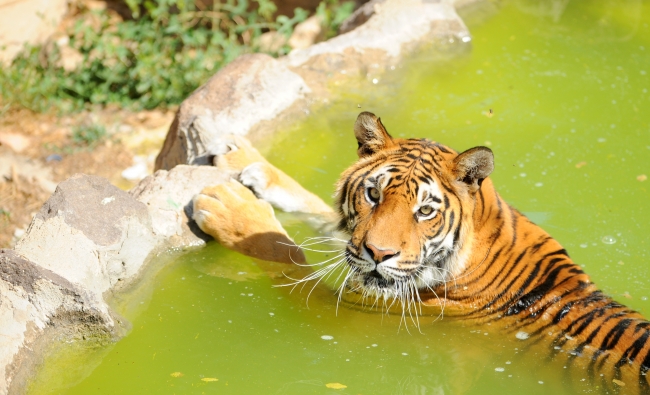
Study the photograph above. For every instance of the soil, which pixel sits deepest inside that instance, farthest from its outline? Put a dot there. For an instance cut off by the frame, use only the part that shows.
(37, 151)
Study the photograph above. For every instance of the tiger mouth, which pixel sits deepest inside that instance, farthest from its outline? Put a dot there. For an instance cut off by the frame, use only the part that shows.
(429, 272)
(367, 277)
(374, 279)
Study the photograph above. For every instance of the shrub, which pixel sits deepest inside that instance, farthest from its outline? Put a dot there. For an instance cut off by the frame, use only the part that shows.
(156, 59)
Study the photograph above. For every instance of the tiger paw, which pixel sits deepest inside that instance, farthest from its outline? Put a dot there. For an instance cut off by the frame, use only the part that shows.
(234, 153)
(231, 214)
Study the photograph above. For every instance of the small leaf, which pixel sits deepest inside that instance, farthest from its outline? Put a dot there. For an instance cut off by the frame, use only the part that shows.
(619, 382)
(209, 379)
(336, 386)
(177, 374)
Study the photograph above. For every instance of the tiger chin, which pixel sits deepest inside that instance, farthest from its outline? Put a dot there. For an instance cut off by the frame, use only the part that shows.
(425, 225)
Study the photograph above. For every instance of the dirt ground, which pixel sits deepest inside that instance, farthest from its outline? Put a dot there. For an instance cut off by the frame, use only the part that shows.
(37, 151)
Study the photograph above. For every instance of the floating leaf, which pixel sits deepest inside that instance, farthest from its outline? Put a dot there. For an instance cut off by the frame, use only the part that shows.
(619, 382)
(209, 379)
(641, 177)
(177, 374)
(336, 386)
(580, 164)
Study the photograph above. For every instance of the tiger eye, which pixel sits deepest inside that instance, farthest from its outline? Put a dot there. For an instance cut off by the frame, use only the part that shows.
(425, 210)
(374, 194)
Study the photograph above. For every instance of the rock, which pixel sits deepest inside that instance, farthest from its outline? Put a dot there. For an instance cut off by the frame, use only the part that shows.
(251, 89)
(91, 233)
(168, 197)
(307, 33)
(27, 22)
(359, 16)
(271, 42)
(35, 306)
(395, 28)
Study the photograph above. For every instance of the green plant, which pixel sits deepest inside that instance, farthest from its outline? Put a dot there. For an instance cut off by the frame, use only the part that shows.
(88, 136)
(154, 60)
(333, 13)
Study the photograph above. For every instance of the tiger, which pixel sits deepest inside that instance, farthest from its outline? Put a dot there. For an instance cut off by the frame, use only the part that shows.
(425, 225)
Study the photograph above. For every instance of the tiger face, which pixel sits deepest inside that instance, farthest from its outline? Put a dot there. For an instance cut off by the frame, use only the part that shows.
(407, 206)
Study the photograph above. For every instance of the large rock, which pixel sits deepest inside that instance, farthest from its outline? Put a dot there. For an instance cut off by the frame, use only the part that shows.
(33, 299)
(251, 89)
(27, 22)
(91, 233)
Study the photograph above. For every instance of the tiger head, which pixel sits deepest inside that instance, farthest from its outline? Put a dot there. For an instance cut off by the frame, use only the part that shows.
(407, 205)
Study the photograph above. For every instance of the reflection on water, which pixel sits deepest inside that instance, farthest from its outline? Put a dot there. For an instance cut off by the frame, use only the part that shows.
(557, 89)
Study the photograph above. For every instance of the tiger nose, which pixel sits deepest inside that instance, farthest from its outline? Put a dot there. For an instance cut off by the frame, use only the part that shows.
(379, 254)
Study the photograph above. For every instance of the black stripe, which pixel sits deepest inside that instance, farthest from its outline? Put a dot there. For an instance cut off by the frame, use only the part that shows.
(538, 292)
(614, 335)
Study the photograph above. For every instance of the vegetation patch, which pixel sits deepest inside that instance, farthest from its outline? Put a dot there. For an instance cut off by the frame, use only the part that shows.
(154, 59)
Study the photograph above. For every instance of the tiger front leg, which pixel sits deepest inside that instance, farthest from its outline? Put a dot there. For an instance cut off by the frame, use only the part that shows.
(265, 180)
(283, 192)
(231, 214)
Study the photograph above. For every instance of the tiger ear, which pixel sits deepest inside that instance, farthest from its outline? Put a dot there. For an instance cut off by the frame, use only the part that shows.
(473, 166)
(371, 134)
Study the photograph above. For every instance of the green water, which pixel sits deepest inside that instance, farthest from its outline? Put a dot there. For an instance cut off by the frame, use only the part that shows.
(567, 82)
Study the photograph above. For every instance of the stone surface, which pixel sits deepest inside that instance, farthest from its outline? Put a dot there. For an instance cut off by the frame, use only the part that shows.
(393, 27)
(251, 89)
(168, 197)
(33, 299)
(359, 16)
(91, 233)
(307, 33)
(27, 22)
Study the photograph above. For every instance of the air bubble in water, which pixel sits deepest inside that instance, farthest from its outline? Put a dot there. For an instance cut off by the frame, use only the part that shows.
(499, 369)
(608, 240)
(327, 337)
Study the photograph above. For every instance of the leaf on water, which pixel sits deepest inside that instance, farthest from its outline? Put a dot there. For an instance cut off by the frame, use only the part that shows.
(336, 386)
(618, 382)
(209, 379)
(177, 374)
(580, 164)
(641, 177)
